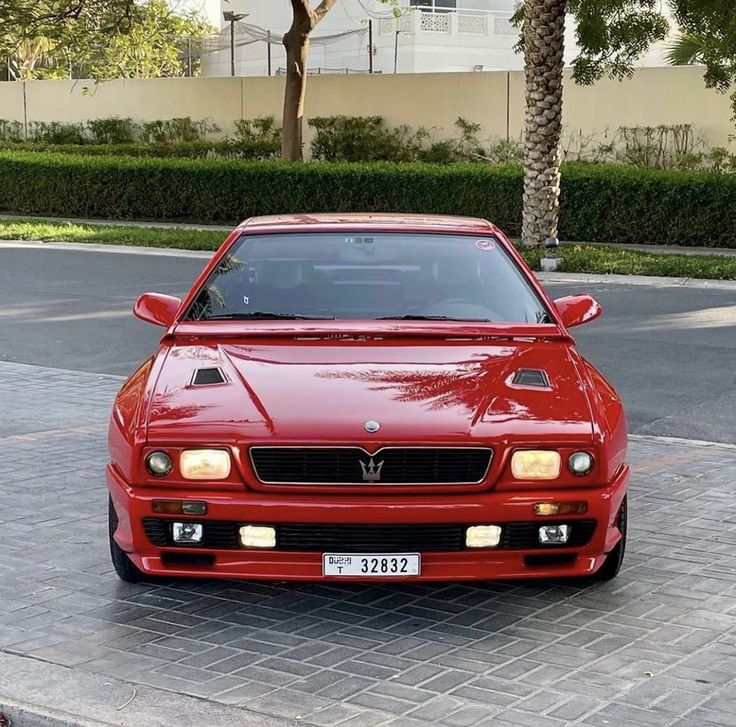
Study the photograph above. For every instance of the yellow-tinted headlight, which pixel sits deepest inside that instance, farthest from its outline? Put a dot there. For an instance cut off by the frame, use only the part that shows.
(536, 464)
(204, 464)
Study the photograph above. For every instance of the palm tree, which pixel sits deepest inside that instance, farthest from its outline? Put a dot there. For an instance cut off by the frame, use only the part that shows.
(543, 33)
(686, 50)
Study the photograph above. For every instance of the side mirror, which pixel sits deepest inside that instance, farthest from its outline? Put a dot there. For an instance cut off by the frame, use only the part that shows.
(578, 309)
(157, 308)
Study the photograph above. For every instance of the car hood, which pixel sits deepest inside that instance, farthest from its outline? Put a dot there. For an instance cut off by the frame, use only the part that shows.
(322, 390)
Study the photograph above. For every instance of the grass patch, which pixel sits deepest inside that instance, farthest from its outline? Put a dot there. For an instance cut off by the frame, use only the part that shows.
(601, 259)
(596, 259)
(111, 234)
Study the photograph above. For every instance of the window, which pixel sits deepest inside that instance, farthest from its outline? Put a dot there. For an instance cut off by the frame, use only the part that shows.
(441, 6)
(368, 275)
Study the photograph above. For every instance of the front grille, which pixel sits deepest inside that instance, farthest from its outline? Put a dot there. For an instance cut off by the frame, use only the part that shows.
(355, 466)
(370, 538)
(318, 538)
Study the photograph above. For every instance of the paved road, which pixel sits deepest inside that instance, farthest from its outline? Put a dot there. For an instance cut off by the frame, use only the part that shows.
(653, 648)
(668, 350)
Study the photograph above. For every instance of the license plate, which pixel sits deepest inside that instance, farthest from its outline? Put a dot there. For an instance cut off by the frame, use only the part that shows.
(376, 565)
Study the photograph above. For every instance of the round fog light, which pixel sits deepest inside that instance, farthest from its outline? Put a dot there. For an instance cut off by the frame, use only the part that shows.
(580, 463)
(158, 464)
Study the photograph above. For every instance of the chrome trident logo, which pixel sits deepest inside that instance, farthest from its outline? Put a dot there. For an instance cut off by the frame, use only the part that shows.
(371, 471)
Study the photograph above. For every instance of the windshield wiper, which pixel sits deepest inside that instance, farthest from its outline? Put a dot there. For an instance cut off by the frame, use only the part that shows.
(433, 318)
(265, 315)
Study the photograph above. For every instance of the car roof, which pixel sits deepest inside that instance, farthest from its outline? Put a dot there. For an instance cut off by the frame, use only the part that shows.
(371, 221)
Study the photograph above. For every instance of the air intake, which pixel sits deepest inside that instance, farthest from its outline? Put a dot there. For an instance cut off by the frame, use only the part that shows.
(203, 377)
(531, 377)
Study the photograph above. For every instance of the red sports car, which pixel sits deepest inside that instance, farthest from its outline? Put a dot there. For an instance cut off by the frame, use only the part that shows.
(356, 397)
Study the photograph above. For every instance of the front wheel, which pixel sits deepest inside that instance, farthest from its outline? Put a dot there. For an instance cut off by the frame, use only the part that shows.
(125, 569)
(612, 564)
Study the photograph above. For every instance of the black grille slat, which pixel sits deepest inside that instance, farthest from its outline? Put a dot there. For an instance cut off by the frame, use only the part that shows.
(398, 465)
(370, 538)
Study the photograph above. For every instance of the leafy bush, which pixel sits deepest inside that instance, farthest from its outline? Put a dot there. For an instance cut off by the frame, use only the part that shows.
(54, 132)
(173, 131)
(11, 131)
(364, 139)
(603, 203)
(112, 130)
(260, 129)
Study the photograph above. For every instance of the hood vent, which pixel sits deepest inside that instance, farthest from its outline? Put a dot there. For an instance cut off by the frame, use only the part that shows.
(204, 377)
(531, 377)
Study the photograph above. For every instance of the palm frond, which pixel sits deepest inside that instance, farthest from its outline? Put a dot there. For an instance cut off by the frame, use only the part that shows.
(685, 50)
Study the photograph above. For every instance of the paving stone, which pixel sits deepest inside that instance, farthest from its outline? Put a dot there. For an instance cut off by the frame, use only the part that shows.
(516, 653)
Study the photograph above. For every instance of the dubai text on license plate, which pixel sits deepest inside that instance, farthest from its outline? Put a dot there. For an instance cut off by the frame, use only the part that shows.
(377, 565)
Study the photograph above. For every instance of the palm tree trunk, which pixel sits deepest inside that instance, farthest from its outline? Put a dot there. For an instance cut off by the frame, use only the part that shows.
(296, 42)
(544, 36)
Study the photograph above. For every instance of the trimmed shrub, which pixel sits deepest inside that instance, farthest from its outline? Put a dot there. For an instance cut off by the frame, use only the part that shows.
(599, 203)
(227, 149)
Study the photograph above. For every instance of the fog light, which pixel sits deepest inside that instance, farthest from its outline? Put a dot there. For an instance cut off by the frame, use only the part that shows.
(258, 536)
(554, 534)
(560, 508)
(187, 532)
(483, 536)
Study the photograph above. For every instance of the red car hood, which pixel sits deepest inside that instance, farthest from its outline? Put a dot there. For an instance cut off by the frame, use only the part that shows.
(322, 391)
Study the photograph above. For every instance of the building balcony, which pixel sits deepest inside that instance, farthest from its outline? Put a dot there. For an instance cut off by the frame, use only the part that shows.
(452, 27)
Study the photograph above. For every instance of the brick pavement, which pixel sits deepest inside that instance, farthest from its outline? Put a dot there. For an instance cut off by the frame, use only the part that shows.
(656, 647)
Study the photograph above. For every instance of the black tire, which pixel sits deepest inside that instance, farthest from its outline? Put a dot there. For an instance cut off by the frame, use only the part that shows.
(123, 566)
(612, 564)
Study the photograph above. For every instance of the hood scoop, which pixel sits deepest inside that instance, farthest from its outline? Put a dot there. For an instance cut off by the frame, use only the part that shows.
(207, 377)
(531, 377)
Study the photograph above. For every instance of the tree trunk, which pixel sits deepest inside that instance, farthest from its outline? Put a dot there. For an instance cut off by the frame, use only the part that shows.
(296, 42)
(544, 35)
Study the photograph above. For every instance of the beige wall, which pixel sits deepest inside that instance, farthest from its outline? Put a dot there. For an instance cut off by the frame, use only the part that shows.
(495, 99)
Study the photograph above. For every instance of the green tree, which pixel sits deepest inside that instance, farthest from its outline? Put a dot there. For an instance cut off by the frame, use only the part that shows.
(150, 48)
(611, 35)
(713, 24)
(305, 19)
(107, 38)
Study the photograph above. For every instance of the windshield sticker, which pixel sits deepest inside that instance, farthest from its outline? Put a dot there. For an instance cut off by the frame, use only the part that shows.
(485, 245)
(246, 300)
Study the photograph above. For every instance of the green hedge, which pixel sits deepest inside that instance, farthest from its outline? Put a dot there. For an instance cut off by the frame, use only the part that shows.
(227, 149)
(599, 203)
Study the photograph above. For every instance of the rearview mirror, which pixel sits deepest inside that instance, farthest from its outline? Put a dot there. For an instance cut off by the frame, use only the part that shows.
(578, 309)
(157, 308)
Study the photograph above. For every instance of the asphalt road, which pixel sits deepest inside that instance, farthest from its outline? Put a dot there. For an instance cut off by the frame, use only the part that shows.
(670, 351)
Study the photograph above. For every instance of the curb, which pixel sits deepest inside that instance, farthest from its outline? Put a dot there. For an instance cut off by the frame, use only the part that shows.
(36, 693)
(28, 715)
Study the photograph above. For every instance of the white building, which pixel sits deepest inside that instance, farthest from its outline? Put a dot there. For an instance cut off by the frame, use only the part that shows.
(428, 36)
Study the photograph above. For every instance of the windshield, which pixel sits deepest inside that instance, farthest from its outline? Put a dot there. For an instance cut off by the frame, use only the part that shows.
(371, 275)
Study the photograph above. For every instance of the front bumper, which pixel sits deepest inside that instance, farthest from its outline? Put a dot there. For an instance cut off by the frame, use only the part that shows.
(133, 504)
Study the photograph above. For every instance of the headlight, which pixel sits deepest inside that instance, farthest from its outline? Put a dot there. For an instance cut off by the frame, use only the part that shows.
(204, 464)
(536, 464)
(158, 464)
(580, 463)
